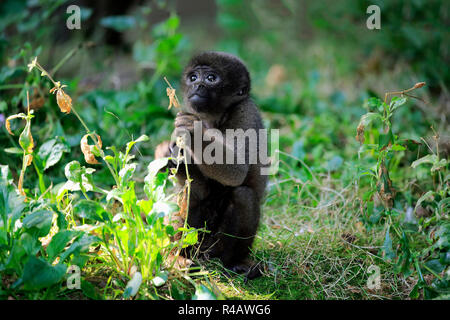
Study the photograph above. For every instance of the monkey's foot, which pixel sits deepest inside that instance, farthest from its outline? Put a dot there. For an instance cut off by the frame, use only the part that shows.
(249, 268)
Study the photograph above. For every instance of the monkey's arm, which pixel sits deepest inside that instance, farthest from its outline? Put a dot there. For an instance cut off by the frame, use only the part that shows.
(229, 174)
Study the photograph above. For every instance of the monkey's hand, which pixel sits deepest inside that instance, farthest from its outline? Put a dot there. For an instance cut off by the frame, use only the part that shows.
(186, 121)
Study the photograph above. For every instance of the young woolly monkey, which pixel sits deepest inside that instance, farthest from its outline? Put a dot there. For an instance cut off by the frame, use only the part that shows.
(225, 196)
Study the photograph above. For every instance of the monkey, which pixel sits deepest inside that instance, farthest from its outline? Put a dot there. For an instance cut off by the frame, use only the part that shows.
(225, 198)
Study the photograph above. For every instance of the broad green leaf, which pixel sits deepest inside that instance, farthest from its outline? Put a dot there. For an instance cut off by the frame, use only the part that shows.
(160, 279)
(73, 172)
(368, 118)
(59, 242)
(429, 158)
(163, 208)
(439, 165)
(385, 139)
(80, 245)
(132, 143)
(203, 293)
(427, 196)
(38, 223)
(127, 172)
(435, 265)
(51, 152)
(133, 285)
(396, 102)
(153, 169)
(89, 209)
(388, 252)
(39, 274)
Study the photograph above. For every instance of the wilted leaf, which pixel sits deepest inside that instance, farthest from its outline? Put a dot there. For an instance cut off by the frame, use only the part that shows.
(8, 124)
(89, 157)
(384, 186)
(64, 101)
(365, 120)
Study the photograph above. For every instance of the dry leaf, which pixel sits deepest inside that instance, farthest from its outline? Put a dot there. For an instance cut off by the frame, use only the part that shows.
(385, 189)
(8, 127)
(20, 185)
(87, 149)
(173, 100)
(64, 101)
(8, 124)
(419, 85)
(28, 159)
(360, 133)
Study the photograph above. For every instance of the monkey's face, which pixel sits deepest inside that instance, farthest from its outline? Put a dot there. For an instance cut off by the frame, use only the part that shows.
(203, 86)
(214, 81)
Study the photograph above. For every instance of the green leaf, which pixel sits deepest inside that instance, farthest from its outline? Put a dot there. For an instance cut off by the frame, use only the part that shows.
(385, 139)
(39, 274)
(132, 143)
(38, 223)
(427, 196)
(435, 265)
(80, 245)
(367, 118)
(163, 208)
(59, 242)
(335, 163)
(429, 158)
(160, 279)
(153, 169)
(73, 172)
(26, 139)
(133, 285)
(89, 209)
(89, 290)
(126, 173)
(396, 102)
(51, 152)
(388, 252)
(203, 293)
(439, 165)
(13, 150)
(397, 147)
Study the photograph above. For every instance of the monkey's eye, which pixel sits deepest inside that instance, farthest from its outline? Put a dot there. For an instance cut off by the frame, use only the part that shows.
(192, 77)
(211, 77)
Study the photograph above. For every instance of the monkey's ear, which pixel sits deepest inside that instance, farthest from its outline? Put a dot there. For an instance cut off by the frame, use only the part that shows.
(243, 91)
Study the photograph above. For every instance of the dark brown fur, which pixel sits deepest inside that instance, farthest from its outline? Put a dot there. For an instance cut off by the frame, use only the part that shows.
(225, 198)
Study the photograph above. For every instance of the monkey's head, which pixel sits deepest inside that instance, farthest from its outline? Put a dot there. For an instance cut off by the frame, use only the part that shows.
(213, 82)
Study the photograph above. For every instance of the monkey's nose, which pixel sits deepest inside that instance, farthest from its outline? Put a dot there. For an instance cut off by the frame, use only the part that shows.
(201, 90)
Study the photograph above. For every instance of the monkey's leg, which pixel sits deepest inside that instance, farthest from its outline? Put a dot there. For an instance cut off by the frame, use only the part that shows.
(238, 230)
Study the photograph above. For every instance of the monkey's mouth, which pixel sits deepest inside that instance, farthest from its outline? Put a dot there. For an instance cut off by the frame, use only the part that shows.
(198, 100)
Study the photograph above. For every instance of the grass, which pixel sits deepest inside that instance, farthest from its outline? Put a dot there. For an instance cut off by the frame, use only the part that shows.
(315, 253)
